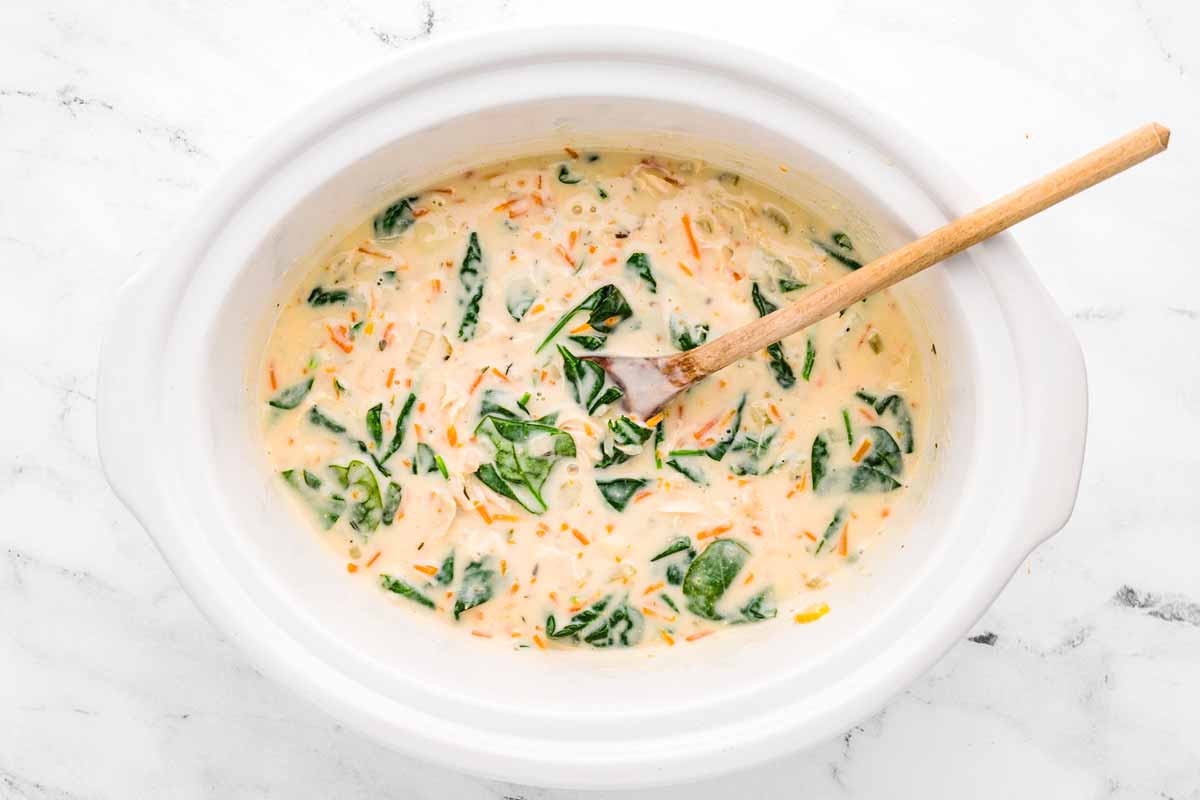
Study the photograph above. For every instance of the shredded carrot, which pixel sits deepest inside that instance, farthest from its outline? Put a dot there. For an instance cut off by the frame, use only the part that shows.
(717, 531)
(499, 374)
(610, 261)
(437, 285)
(573, 239)
(427, 569)
(654, 587)
(538, 641)
(812, 613)
(667, 638)
(452, 436)
(887, 512)
(481, 634)
(684, 267)
(704, 428)
(811, 537)
(352, 568)
(867, 415)
(391, 376)
(687, 226)
(640, 496)
(844, 544)
(537, 198)
(699, 635)
(387, 332)
(580, 329)
(503, 566)
(757, 531)
(775, 412)
(506, 204)
(375, 558)
(558, 248)
(571, 152)
(483, 512)
(583, 540)
(504, 517)
(478, 380)
(353, 316)
(861, 451)
(420, 212)
(657, 418)
(749, 578)
(342, 343)
(539, 308)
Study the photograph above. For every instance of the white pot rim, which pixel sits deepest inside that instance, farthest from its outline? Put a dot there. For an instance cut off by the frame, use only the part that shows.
(129, 404)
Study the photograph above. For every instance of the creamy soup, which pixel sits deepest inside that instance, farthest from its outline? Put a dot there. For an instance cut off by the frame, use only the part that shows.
(425, 403)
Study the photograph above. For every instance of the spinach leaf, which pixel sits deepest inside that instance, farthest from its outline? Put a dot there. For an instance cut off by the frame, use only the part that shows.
(470, 275)
(832, 530)
(810, 358)
(577, 623)
(895, 404)
(622, 628)
(693, 472)
(790, 285)
(366, 504)
(587, 380)
(677, 545)
(842, 240)
(717, 451)
(566, 176)
(499, 403)
(427, 460)
(477, 586)
(849, 429)
(674, 574)
(391, 502)
(836, 254)
(866, 479)
(778, 362)
(755, 447)
(659, 434)
(395, 219)
(375, 424)
(326, 297)
(291, 396)
(640, 264)
(866, 397)
(758, 608)
(626, 431)
(666, 598)
(685, 336)
(589, 342)
(885, 453)
(401, 424)
(526, 452)
(607, 308)
(711, 574)
(328, 508)
(611, 455)
(820, 460)
(619, 491)
(445, 573)
(321, 421)
(404, 589)
(519, 298)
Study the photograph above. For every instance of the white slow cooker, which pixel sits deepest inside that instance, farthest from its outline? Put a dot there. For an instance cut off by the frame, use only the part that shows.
(180, 447)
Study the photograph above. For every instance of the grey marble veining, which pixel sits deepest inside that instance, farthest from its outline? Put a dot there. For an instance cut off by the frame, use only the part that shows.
(1082, 681)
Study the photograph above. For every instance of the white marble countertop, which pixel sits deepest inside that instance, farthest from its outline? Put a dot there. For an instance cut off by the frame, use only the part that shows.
(1082, 681)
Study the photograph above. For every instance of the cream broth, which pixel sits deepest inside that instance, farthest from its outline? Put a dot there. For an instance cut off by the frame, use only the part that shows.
(424, 402)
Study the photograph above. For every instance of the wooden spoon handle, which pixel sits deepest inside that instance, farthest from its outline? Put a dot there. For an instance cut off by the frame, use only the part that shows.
(931, 248)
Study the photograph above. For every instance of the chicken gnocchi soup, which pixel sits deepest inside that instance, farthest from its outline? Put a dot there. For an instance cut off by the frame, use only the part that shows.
(426, 404)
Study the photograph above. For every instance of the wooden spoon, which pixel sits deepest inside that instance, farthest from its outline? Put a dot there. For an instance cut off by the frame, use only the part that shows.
(649, 383)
